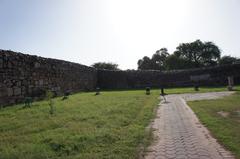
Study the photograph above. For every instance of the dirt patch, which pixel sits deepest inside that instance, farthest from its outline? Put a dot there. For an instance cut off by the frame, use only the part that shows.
(204, 96)
(238, 113)
(223, 114)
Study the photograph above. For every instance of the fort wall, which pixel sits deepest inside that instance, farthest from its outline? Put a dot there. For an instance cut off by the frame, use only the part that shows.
(23, 75)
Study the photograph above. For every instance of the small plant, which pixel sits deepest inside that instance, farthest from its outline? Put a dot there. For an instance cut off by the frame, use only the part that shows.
(147, 90)
(196, 87)
(28, 102)
(66, 94)
(49, 96)
(97, 91)
(52, 108)
(64, 97)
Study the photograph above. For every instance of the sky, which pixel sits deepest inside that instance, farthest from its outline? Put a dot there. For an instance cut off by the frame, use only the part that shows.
(118, 31)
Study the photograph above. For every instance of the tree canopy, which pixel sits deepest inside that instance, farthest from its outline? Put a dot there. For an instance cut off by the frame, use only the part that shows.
(157, 62)
(105, 65)
(226, 60)
(198, 53)
(187, 55)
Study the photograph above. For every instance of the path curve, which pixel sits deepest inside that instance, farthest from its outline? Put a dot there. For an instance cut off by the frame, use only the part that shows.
(179, 134)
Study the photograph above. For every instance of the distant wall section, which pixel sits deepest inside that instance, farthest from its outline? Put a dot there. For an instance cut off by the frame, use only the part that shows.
(212, 76)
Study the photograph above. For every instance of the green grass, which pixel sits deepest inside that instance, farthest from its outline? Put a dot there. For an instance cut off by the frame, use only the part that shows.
(111, 125)
(225, 129)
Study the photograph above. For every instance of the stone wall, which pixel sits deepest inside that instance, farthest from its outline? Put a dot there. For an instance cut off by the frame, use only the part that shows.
(213, 76)
(24, 75)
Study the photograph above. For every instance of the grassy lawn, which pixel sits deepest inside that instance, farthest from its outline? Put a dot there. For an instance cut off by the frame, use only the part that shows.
(111, 125)
(222, 118)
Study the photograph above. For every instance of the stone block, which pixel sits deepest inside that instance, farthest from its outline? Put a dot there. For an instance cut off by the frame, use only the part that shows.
(17, 91)
(37, 65)
(9, 91)
(29, 90)
(9, 65)
(2, 92)
(24, 82)
(18, 83)
(200, 77)
(1, 63)
(230, 83)
(40, 82)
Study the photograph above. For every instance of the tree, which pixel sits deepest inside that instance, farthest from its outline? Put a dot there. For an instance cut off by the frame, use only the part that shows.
(157, 62)
(105, 65)
(199, 53)
(145, 63)
(173, 62)
(159, 59)
(187, 55)
(226, 60)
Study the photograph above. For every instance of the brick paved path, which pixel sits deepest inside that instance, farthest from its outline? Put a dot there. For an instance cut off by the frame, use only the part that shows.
(178, 133)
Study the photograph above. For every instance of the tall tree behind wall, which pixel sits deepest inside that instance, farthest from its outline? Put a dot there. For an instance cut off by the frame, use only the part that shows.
(105, 65)
(187, 55)
(157, 62)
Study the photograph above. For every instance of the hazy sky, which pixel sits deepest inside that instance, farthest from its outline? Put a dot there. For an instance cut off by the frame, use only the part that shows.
(119, 31)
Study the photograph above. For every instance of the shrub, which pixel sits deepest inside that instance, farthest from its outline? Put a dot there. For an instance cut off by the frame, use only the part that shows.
(49, 96)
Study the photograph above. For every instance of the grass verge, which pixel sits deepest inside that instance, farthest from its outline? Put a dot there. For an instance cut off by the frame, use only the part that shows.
(110, 125)
(222, 118)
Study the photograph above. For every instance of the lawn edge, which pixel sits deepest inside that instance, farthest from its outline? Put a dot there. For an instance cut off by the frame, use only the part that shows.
(149, 136)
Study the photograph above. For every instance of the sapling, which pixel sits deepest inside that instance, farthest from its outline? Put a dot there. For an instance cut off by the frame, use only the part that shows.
(66, 94)
(49, 96)
(97, 91)
(28, 102)
(147, 90)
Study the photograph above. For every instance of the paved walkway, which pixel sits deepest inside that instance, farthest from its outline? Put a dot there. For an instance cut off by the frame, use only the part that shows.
(180, 135)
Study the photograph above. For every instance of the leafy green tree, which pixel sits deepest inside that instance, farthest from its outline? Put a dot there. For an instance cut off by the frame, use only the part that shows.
(226, 60)
(105, 65)
(159, 59)
(199, 53)
(49, 97)
(157, 62)
(145, 63)
(174, 62)
(187, 55)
